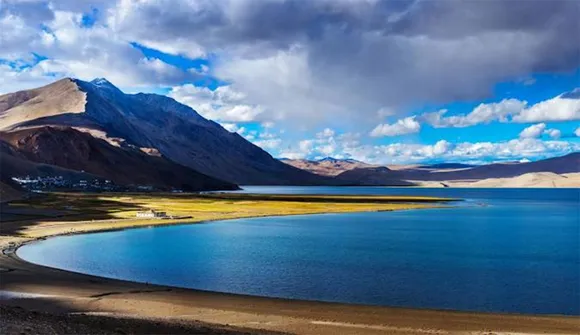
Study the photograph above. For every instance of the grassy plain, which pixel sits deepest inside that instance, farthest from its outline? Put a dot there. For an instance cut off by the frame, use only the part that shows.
(49, 214)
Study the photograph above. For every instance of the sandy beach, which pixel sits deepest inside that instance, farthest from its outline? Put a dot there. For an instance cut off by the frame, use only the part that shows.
(91, 304)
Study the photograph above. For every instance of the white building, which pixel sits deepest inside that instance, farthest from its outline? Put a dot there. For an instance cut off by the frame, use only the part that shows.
(151, 214)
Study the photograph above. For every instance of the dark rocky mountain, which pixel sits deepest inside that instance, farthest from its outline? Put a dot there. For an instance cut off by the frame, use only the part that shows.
(149, 122)
(15, 164)
(74, 150)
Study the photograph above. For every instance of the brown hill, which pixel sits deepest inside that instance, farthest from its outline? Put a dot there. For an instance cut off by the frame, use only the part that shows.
(71, 149)
(327, 166)
(15, 164)
(151, 121)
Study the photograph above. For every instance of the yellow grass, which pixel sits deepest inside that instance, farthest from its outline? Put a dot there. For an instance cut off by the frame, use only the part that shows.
(92, 212)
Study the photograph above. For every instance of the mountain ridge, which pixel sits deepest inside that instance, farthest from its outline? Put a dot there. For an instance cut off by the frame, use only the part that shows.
(146, 120)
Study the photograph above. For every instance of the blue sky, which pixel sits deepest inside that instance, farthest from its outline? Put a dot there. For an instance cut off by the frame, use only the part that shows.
(385, 82)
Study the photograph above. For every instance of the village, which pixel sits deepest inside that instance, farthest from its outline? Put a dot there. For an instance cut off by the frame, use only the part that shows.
(49, 183)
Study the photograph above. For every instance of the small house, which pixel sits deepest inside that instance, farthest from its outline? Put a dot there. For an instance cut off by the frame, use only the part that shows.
(151, 214)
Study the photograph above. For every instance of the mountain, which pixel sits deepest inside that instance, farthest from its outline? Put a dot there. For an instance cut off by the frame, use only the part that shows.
(151, 123)
(327, 166)
(559, 165)
(532, 179)
(9, 192)
(384, 176)
(75, 150)
(370, 176)
(14, 164)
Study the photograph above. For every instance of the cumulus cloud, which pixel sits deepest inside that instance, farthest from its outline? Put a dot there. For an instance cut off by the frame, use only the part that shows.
(326, 143)
(533, 131)
(267, 140)
(327, 132)
(484, 113)
(564, 107)
(222, 104)
(350, 145)
(403, 153)
(233, 128)
(404, 126)
(57, 32)
(268, 144)
(14, 80)
(577, 132)
(553, 133)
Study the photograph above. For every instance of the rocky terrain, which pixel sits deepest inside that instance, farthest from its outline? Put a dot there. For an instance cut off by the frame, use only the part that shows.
(79, 128)
(74, 150)
(168, 134)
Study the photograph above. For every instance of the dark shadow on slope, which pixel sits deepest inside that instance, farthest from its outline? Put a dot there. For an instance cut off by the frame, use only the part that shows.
(17, 216)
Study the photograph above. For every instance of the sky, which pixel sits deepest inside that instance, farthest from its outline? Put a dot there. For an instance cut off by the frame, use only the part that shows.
(386, 82)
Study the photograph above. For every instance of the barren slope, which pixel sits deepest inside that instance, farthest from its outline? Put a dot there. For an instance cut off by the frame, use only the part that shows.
(71, 149)
(153, 122)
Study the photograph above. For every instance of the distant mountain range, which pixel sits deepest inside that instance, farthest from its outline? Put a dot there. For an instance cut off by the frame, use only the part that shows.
(327, 166)
(134, 139)
(347, 172)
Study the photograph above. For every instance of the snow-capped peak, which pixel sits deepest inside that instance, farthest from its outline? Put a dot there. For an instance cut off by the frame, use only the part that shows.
(102, 82)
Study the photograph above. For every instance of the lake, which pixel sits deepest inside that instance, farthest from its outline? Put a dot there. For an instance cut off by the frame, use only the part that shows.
(500, 250)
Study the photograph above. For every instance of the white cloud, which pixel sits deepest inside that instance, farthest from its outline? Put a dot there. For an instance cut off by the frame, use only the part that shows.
(268, 124)
(484, 113)
(268, 144)
(327, 132)
(233, 128)
(404, 126)
(559, 108)
(292, 154)
(441, 147)
(75, 50)
(306, 146)
(555, 109)
(577, 132)
(14, 80)
(403, 153)
(348, 145)
(222, 104)
(533, 131)
(553, 133)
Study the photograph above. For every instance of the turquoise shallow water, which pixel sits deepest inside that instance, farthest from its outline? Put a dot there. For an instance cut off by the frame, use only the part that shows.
(499, 251)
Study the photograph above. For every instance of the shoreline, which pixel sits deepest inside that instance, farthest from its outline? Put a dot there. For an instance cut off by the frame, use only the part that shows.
(91, 295)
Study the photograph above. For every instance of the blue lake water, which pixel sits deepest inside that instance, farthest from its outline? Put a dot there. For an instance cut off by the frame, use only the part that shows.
(501, 250)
